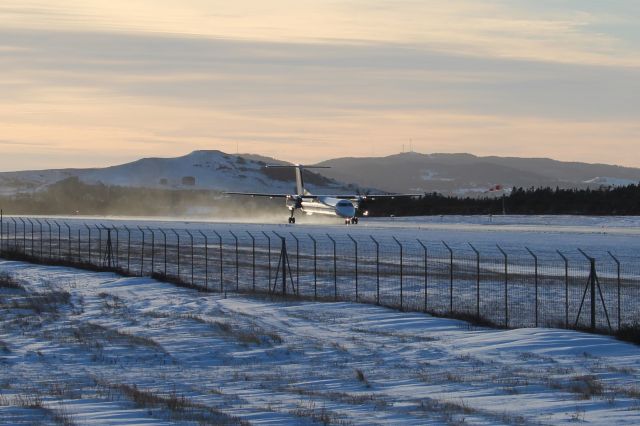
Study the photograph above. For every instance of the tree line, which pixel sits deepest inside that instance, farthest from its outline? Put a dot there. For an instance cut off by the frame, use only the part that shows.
(605, 201)
(72, 196)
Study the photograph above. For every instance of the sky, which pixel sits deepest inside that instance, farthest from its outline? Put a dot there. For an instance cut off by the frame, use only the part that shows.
(94, 83)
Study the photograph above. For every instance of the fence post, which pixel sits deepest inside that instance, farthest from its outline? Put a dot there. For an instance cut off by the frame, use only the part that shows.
(615, 259)
(426, 276)
(222, 289)
(235, 237)
(40, 229)
(69, 242)
(178, 251)
(164, 252)
(253, 259)
(115, 228)
(355, 248)
(5, 240)
(401, 271)
(191, 237)
(79, 245)
(477, 280)
(593, 282)
(40, 238)
(315, 267)
(269, 253)
(153, 250)
(89, 248)
(50, 240)
(24, 235)
(59, 239)
(283, 243)
(297, 262)
(128, 249)
(1, 230)
(566, 288)
(377, 269)
(32, 236)
(592, 286)
(15, 234)
(206, 260)
(335, 269)
(450, 277)
(142, 253)
(100, 245)
(506, 287)
(535, 277)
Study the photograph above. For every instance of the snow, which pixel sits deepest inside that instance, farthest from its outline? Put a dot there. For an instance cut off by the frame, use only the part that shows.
(611, 181)
(213, 170)
(275, 362)
(433, 176)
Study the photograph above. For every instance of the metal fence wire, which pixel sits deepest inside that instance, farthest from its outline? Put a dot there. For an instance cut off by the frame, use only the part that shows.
(520, 288)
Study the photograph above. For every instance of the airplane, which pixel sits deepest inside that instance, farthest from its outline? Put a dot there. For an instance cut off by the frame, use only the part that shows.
(343, 206)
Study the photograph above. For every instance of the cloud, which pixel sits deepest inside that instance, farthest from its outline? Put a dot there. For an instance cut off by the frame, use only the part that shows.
(120, 90)
(571, 31)
(297, 78)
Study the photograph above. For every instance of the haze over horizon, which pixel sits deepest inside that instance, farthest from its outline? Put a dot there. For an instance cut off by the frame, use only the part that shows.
(92, 83)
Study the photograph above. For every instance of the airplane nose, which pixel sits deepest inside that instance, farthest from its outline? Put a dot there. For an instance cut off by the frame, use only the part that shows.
(345, 210)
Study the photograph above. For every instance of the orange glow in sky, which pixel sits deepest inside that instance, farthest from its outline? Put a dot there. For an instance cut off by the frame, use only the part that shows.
(96, 83)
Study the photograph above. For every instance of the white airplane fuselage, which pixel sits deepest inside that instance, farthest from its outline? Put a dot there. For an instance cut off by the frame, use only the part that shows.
(329, 206)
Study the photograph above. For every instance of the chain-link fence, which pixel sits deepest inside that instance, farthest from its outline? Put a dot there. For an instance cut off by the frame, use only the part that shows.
(499, 287)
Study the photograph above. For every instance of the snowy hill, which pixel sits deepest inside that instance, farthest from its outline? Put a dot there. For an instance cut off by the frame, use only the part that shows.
(464, 174)
(213, 170)
(458, 174)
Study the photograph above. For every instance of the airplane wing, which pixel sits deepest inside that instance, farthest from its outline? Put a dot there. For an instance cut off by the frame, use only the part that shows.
(370, 196)
(257, 194)
(341, 197)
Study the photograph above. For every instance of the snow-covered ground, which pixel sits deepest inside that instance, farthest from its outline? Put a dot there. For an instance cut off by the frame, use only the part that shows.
(86, 348)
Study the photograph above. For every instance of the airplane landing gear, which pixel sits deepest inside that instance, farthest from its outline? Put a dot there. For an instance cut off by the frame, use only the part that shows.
(292, 219)
(352, 221)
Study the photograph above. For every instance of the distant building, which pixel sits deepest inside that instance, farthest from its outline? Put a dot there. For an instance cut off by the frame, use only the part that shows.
(188, 181)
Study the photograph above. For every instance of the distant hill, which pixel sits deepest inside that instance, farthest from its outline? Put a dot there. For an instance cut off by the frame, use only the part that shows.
(464, 174)
(455, 174)
(199, 170)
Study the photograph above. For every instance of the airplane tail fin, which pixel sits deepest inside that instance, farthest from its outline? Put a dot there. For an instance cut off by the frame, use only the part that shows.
(300, 189)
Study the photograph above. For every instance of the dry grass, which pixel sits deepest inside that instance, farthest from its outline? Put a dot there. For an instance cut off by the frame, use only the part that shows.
(586, 386)
(583, 386)
(111, 302)
(254, 334)
(629, 333)
(454, 413)
(357, 399)
(180, 408)
(30, 400)
(308, 409)
(91, 334)
(7, 281)
(41, 303)
(362, 378)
